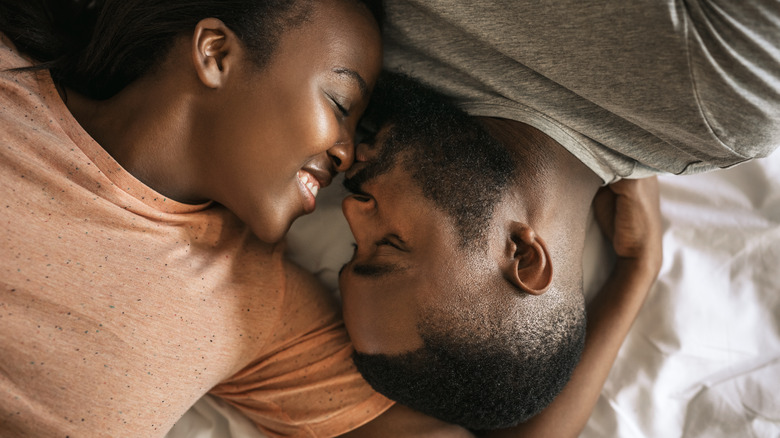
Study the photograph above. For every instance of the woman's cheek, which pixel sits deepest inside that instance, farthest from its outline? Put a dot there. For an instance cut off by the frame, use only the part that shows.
(326, 130)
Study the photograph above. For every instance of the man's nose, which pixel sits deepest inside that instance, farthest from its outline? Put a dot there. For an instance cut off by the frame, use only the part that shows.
(360, 212)
(342, 155)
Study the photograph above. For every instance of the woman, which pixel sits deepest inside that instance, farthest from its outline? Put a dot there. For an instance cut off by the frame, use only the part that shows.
(243, 110)
(145, 143)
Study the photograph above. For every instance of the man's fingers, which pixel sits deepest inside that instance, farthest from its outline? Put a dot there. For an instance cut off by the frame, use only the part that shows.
(604, 210)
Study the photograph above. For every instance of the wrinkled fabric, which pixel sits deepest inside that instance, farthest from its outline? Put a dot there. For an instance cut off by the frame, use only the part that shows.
(629, 88)
(703, 357)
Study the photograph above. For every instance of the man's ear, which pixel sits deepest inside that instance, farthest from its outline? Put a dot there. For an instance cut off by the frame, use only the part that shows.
(528, 265)
(214, 48)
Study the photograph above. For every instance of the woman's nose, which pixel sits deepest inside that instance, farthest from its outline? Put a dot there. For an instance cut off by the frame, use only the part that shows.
(342, 155)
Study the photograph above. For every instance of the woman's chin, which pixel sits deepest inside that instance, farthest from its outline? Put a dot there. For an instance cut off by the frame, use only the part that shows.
(271, 233)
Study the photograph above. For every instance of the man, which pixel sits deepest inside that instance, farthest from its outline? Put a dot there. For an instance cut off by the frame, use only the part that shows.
(471, 260)
(450, 299)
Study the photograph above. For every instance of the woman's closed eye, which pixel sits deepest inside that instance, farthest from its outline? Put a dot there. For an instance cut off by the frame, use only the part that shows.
(344, 111)
(341, 107)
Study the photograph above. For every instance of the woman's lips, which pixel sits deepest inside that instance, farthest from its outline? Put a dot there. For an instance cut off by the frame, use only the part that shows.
(310, 186)
(310, 182)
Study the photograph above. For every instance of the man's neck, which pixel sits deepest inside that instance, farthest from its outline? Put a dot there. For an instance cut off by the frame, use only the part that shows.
(553, 190)
(562, 194)
(551, 182)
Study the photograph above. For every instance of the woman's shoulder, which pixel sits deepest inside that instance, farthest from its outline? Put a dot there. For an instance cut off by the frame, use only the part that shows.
(10, 56)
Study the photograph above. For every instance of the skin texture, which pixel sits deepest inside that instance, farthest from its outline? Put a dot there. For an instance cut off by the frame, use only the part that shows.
(207, 125)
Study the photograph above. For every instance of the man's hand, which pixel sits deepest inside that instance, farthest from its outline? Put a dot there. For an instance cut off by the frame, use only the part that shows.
(629, 214)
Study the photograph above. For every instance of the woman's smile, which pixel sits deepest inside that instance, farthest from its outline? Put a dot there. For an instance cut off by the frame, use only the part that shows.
(287, 133)
(310, 185)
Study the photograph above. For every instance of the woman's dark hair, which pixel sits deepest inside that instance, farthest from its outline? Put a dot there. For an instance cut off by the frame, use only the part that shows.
(98, 47)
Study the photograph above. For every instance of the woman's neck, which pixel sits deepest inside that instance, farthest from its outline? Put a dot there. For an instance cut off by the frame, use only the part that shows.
(145, 129)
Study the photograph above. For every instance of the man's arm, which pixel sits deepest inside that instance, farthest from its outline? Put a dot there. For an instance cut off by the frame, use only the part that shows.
(628, 212)
(400, 421)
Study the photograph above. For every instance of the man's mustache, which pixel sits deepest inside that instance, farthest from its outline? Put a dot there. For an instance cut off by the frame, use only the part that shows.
(355, 183)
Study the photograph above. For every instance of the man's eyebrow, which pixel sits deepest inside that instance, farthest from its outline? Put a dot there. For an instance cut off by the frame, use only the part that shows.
(355, 76)
(377, 270)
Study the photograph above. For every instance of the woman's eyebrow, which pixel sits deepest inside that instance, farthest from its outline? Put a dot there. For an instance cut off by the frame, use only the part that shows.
(355, 76)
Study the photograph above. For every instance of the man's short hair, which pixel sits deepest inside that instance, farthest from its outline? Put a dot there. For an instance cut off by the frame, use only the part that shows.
(458, 165)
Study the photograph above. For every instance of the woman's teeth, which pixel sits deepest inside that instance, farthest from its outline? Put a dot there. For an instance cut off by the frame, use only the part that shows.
(310, 183)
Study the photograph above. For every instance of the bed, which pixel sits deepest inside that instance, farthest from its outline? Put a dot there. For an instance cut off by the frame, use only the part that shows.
(703, 357)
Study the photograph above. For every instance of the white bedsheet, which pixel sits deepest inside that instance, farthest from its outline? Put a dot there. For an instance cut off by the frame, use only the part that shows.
(703, 358)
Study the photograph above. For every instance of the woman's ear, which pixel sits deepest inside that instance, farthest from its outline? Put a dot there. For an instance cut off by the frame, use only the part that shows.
(528, 265)
(213, 50)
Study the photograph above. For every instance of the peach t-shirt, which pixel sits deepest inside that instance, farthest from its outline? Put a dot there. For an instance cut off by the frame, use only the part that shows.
(119, 308)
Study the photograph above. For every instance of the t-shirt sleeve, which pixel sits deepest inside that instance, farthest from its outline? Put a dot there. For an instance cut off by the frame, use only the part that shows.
(734, 50)
(304, 383)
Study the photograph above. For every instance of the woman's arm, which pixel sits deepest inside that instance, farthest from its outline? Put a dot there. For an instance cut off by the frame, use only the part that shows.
(628, 212)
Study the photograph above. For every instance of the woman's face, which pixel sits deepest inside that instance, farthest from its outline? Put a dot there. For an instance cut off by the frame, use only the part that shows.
(281, 132)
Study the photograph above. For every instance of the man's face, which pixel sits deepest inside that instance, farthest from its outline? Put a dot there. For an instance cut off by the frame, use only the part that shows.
(407, 256)
(403, 245)
(430, 297)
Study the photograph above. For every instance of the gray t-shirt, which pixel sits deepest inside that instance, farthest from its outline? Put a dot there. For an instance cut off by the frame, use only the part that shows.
(630, 88)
